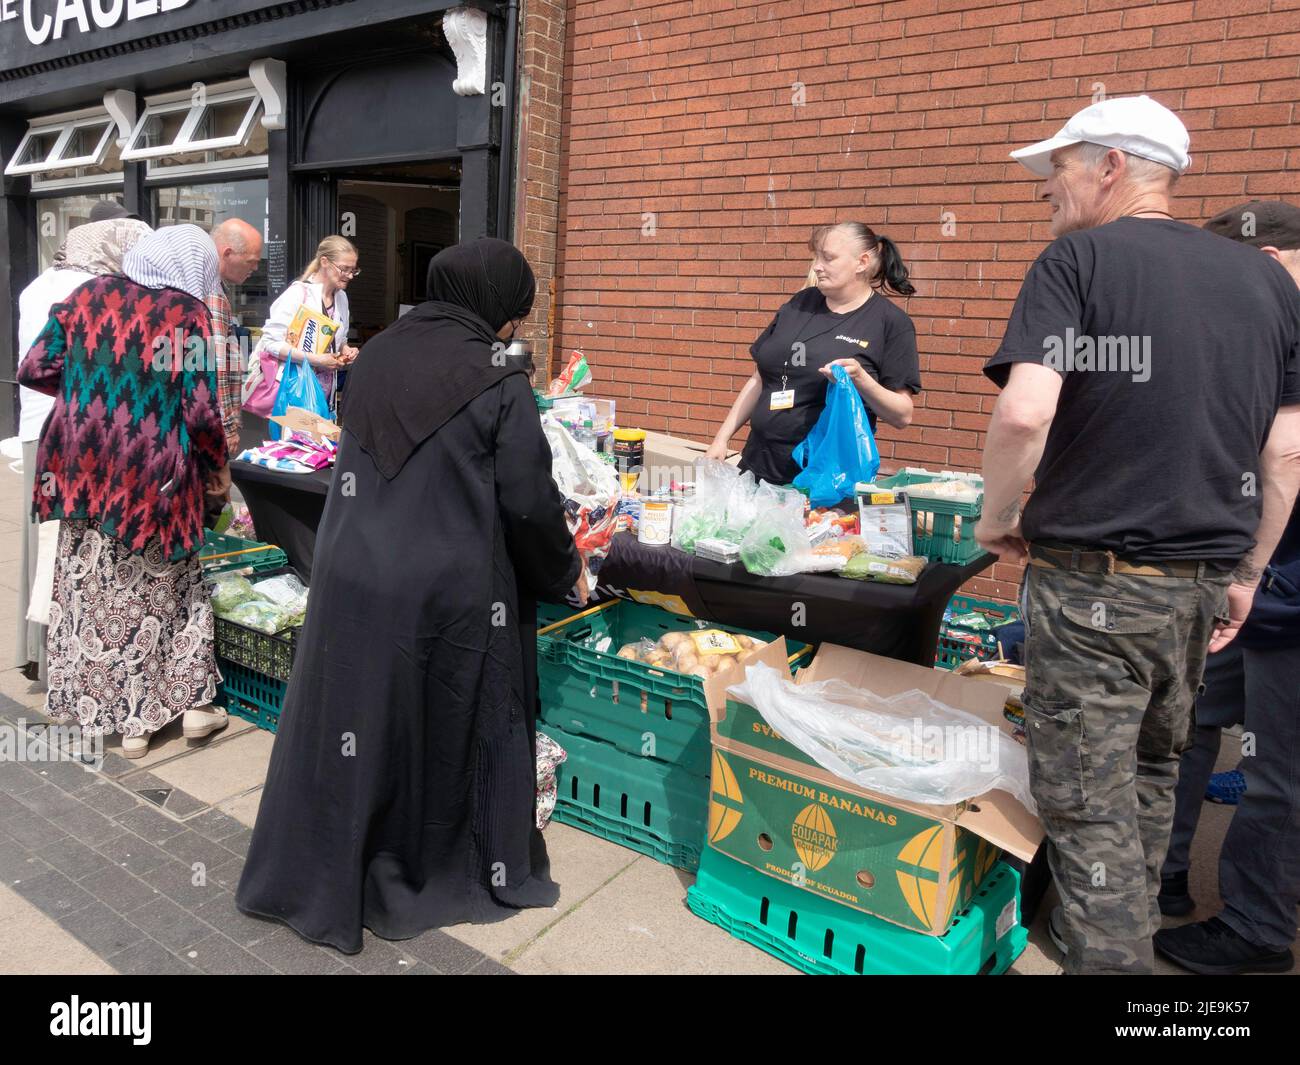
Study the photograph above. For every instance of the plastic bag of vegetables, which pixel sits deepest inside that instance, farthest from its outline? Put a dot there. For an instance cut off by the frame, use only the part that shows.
(699, 653)
(778, 545)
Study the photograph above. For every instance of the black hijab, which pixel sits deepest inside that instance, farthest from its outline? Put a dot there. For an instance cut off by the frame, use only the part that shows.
(426, 366)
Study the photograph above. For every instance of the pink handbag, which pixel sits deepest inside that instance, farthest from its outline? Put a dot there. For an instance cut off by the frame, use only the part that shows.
(261, 382)
(260, 385)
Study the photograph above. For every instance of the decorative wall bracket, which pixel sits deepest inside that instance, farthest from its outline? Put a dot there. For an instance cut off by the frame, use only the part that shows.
(269, 78)
(466, 31)
(121, 107)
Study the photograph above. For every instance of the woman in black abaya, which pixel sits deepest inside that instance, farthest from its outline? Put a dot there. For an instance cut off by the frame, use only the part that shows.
(400, 795)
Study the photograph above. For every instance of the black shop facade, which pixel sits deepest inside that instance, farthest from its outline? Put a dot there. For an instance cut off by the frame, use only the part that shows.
(380, 121)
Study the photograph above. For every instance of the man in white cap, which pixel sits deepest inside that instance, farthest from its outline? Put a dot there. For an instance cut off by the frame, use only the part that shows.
(1150, 378)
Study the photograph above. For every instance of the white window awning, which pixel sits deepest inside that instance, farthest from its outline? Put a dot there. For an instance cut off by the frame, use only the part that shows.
(64, 142)
(203, 119)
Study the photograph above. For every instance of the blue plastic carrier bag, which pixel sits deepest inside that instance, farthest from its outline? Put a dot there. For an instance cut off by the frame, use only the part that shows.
(841, 449)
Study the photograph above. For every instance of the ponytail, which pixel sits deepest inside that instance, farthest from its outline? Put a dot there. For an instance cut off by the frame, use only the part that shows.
(892, 275)
(893, 271)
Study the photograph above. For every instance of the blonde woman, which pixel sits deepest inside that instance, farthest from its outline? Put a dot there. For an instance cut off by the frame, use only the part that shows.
(321, 288)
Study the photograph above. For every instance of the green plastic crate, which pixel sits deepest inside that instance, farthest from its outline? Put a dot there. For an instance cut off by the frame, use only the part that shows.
(957, 643)
(222, 553)
(251, 695)
(943, 531)
(821, 937)
(648, 806)
(643, 711)
(550, 614)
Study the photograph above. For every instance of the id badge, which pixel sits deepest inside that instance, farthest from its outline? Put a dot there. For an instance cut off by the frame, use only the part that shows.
(783, 400)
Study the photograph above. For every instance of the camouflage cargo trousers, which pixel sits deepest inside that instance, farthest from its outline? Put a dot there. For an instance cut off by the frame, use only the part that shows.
(1113, 663)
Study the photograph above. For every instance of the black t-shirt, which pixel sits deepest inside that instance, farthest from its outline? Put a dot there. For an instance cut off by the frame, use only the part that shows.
(1157, 456)
(878, 334)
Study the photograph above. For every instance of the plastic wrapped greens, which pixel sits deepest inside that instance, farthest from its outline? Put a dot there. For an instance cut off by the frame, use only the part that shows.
(777, 543)
(908, 746)
(706, 515)
(229, 591)
(259, 614)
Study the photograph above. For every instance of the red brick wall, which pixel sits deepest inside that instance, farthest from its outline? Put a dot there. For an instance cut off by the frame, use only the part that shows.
(684, 110)
(537, 172)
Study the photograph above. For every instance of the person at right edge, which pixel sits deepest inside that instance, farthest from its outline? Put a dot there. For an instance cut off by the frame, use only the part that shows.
(401, 794)
(1150, 377)
(1255, 682)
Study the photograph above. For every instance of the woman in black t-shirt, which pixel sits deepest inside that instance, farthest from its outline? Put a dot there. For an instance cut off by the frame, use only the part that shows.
(844, 320)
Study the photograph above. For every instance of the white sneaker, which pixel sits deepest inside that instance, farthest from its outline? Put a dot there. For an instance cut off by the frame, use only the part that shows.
(203, 721)
(136, 746)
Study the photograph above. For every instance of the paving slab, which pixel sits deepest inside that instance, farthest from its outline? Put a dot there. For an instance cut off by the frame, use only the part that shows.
(222, 771)
(243, 808)
(35, 945)
(638, 923)
(580, 864)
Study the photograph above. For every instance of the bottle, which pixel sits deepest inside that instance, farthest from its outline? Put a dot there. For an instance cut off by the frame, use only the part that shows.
(586, 436)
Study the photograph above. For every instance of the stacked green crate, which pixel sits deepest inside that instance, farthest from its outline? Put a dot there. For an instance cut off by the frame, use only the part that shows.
(637, 737)
(818, 935)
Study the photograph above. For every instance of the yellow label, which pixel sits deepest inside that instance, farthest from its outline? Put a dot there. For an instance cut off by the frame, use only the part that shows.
(877, 498)
(715, 642)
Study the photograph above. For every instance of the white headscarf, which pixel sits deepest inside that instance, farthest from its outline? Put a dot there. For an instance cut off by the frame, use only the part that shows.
(182, 257)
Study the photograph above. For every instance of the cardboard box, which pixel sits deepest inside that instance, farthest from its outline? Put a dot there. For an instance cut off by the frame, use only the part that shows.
(672, 458)
(306, 421)
(775, 809)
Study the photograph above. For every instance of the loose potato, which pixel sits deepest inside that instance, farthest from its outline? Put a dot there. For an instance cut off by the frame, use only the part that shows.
(628, 650)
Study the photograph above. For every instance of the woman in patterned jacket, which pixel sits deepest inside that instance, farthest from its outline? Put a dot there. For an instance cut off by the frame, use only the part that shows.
(132, 447)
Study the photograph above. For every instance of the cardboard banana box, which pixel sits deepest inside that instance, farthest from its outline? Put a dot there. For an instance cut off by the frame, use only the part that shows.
(775, 809)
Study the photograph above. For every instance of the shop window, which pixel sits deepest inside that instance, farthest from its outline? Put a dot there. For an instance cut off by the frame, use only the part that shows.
(207, 206)
(64, 149)
(55, 216)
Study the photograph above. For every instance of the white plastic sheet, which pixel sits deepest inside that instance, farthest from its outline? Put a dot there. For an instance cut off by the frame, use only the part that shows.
(908, 746)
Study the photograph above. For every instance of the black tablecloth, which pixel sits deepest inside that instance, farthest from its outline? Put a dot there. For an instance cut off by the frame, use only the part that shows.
(286, 508)
(895, 620)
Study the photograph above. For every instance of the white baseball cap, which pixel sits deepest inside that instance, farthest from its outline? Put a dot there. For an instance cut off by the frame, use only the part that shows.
(1134, 124)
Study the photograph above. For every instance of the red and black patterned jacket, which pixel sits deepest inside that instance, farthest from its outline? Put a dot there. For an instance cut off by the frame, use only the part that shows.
(135, 432)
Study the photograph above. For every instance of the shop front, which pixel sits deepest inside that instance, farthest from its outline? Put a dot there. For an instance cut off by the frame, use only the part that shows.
(379, 122)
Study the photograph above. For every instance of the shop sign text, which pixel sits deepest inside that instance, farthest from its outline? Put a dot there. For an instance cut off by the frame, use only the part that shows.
(52, 20)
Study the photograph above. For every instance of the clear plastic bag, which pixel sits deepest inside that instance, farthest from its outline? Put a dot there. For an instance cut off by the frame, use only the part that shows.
(699, 653)
(591, 490)
(283, 589)
(229, 591)
(908, 746)
(777, 544)
(705, 516)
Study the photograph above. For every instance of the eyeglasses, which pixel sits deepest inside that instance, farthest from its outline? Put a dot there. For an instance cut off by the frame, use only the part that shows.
(346, 271)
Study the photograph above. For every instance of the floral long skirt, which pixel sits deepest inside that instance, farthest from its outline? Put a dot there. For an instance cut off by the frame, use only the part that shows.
(130, 639)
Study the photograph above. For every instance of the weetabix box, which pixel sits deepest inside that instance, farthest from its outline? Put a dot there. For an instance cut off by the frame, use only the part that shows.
(775, 809)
